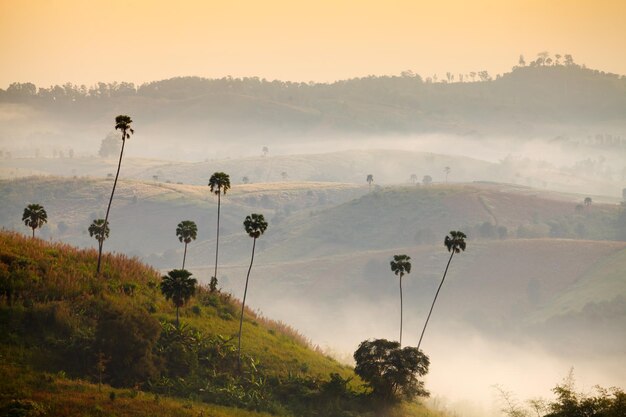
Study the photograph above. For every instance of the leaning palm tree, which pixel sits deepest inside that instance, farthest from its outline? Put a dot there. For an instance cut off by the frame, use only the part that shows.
(122, 123)
(34, 216)
(219, 183)
(401, 265)
(178, 286)
(455, 243)
(99, 229)
(186, 232)
(255, 225)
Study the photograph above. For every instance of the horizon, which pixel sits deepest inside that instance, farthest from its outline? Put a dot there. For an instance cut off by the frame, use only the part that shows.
(72, 41)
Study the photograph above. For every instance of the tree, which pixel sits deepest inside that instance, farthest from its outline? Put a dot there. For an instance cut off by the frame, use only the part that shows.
(521, 61)
(455, 243)
(122, 123)
(178, 286)
(100, 230)
(427, 180)
(413, 178)
(370, 180)
(391, 372)
(245, 180)
(254, 225)
(186, 232)
(265, 150)
(447, 171)
(219, 183)
(588, 201)
(108, 146)
(401, 265)
(34, 216)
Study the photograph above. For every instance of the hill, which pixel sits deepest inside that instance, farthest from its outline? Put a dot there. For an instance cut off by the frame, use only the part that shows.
(60, 321)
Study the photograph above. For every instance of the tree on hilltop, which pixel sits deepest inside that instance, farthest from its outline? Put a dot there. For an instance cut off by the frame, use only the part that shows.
(34, 216)
(179, 287)
(122, 123)
(219, 183)
(455, 243)
(254, 225)
(186, 232)
(401, 265)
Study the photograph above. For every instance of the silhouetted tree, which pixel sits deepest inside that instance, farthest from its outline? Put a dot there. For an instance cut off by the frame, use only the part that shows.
(178, 286)
(219, 183)
(447, 171)
(122, 123)
(370, 180)
(413, 178)
(34, 216)
(391, 372)
(588, 201)
(265, 150)
(186, 232)
(401, 265)
(427, 180)
(521, 61)
(455, 243)
(254, 225)
(245, 180)
(100, 230)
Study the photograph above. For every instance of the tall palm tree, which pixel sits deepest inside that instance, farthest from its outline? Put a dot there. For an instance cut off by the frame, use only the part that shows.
(99, 229)
(370, 180)
(34, 216)
(186, 232)
(219, 183)
(122, 123)
(401, 265)
(255, 225)
(455, 243)
(178, 286)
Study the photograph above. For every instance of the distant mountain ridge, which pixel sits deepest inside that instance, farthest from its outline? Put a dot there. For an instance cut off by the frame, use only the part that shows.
(519, 103)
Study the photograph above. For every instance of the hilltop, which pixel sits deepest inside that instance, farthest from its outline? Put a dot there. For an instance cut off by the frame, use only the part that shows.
(71, 331)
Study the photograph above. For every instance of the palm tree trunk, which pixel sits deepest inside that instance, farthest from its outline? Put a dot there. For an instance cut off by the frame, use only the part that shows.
(217, 243)
(243, 304)
(99, 256)
(435, 300)
(117, 174)
(400, 310)
(185, 255)
(177, 321)
(33, 232)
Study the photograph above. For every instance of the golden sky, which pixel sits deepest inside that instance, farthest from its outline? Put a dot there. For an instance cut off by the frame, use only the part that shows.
(84, 41)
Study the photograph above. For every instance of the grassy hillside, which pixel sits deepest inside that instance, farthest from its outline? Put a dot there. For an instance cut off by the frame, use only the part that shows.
(60, 321)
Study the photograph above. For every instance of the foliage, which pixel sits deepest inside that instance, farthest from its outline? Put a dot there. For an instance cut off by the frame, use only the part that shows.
(34, 216)
(99, 230)
(390, 371)
(186, 231)
(179, 287)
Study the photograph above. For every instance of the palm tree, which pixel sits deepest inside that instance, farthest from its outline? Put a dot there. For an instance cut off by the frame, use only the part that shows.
(455, 243)
(255, 225)
(186, 232)
(219, 183)
(122, 123)
(34, 216)
(447, 171)
(99, 229)
(400, 266)
(588, 201)
(178, 286)
(370, 180)
(413, 178)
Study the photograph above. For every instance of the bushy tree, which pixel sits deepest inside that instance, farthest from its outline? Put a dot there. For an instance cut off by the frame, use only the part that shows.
(34, 216)
(390, 371)
(178, 286)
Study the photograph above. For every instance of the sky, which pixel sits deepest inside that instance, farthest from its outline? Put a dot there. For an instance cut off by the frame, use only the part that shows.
(84, 41)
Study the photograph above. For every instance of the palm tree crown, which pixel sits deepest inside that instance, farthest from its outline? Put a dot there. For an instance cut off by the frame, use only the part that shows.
(34, 216)
(255, 225)
(98, 230)
(219, 183)
(187, 231)
(455, 242)
(122, 122)
(178, 286)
